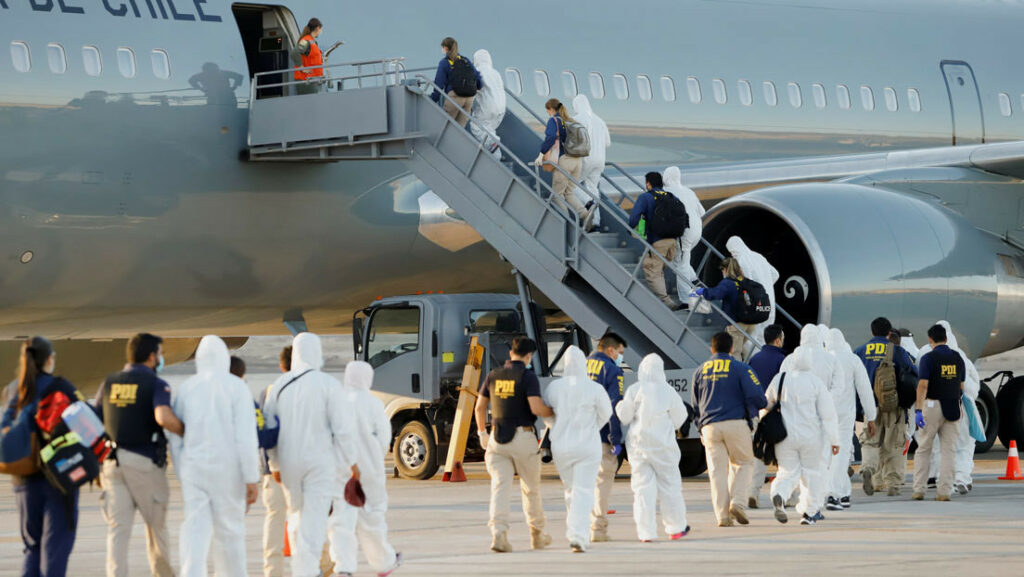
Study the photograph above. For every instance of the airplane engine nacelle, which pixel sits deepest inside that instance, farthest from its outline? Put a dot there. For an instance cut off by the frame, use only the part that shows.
(847, 253)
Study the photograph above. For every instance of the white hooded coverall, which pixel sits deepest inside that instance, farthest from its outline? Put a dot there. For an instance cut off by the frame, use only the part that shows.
(581, 408)
(757, 268)
(489, 104)
(215, 460)
(312, 446)
(691, 238)
(854, 384)
(810, 418)
(366, 527)
(965, 443)
(654, 412)
(600, 141)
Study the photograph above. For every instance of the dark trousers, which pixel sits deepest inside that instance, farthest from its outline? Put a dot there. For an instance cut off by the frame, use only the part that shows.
(45, 530)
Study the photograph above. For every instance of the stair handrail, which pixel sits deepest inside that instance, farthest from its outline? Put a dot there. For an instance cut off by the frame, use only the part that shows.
(431, 87)
(396, 65)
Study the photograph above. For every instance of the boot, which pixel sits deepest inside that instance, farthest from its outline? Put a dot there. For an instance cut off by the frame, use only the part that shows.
(500, 544)
(599, 536)
(539, 539)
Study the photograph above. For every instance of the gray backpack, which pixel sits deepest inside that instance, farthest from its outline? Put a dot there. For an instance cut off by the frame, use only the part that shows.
(577, 140)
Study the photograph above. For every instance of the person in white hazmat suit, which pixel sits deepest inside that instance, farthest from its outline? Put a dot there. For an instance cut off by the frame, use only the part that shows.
(312, 446)
(758, 269)
(217, 463)
(366, 527)
(691, 238)
(654, 411)
(600, 141)
(810, 418)
(965, 445)
(581, 408)
(854, 385)
(489, 105)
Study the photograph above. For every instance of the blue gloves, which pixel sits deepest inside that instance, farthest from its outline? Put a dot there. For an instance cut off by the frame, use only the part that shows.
(700, 291)
(919, 420)
(617, 450)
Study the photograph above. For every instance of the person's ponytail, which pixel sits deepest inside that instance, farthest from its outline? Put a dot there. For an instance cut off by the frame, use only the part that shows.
(563, 112)
(35, 352)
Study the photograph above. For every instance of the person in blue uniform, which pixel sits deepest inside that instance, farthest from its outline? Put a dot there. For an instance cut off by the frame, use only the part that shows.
(603, 367)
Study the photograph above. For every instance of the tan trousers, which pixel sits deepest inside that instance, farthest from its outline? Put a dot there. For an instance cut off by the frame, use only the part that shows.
(730, 455)
(948, 432)
(464, 102)
(605, 483)
(135, 483)
(565, 195)
(520, 455)
(273, 527)
(739, 340)
(654, 268)
(882, 453)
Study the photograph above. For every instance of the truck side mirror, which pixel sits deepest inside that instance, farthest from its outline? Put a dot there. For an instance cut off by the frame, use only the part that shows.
(357, 335)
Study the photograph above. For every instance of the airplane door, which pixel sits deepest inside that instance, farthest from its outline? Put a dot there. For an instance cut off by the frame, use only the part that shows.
(964, 103)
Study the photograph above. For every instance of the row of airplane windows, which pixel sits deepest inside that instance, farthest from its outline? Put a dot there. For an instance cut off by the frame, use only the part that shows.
(92, 60)
(719, 92)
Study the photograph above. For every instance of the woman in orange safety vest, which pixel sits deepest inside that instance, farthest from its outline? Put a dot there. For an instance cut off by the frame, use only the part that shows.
(310, 51)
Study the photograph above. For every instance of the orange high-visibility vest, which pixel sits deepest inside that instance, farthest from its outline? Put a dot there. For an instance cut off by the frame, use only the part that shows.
(314, 58)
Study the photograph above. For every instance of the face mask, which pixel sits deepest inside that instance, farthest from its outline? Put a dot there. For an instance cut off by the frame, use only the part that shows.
(619, 360)
(160, 365)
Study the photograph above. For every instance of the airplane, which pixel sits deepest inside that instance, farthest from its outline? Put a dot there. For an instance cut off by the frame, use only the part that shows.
(871, 150)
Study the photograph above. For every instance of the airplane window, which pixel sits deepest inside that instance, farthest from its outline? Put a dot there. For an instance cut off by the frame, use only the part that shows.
(818, 91)
(867, 98)
(891, 104)
(57, 58)
(569, 84)
(718, 89)
(540, 82)
(514, 80)
(668, 89)
(643, 88)
(621, 86)
(843, 96)
(20, 56)
(161, 64)
(92, 60)
(771, 97)
(746, 94)
(1004, 104)
(596, 85)
(693, 88)
(126, 62)
(914, 100)
(796, 99)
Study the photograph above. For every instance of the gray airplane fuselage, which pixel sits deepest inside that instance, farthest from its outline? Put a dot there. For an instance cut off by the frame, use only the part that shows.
(124, 203)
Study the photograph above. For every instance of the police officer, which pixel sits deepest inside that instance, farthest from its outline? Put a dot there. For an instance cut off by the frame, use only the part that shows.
(135, 407)
(513, 393)
(726, 395)
(942, 373)
(603, 367)
(766, 364)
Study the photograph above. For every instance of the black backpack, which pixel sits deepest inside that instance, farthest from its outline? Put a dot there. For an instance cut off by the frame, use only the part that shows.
(770, 431)
(463, 78)
(752, 306)
(669, 218)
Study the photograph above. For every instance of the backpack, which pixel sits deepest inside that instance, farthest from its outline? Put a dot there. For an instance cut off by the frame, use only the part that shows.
(669, 218)
(885, 389)
(74, 443)
(463, 78)
(577, 140)
(770, 431)
(19, 446)
(753, 305)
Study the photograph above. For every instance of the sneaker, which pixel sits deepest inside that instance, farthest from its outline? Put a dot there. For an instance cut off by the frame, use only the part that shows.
(500, 544)
(398, 563)
(539, 539)
(833, 504)
(961, 488)
(807, 520)
(869, 487)
(942, 498)
(577, 548)
(917, 496)
(780, 509)
(845, 502)
(818, 516)
(739, 514)
(970, 487)
(931, 482)
(588, 218)
(752, 503)
(679, 536)
(893, 492)
(599, 537)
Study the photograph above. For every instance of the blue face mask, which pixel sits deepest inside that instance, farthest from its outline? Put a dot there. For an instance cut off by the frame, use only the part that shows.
(619, 360)
(160, 365)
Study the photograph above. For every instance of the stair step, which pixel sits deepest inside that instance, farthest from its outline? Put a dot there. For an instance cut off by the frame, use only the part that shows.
(625, 256)
(607, 239)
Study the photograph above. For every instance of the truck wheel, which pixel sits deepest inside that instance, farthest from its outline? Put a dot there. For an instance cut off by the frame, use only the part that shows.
(415, 451)
(988, 410)
(1011, 412)
(692, 463)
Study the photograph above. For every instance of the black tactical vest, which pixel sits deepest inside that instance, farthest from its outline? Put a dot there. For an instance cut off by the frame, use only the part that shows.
(128, 410)
(946, 371)
(510, 408)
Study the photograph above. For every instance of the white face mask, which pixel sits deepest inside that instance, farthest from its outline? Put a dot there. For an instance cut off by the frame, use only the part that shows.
(51, 366)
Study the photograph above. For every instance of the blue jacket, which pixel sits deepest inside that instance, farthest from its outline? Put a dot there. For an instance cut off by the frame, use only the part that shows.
(604, 371)
(727, 291)
(725, 389)
(874, 357)
(644, 208)
(443, 78)
(767, 363)
(266, 434)
(554, 129)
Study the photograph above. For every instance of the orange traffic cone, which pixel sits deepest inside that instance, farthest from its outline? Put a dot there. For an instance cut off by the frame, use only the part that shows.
(1013, 472)
(456, 476)
(287, 545)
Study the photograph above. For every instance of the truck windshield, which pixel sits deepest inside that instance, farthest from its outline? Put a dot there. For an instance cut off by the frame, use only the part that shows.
(392, 332)
(494, 321)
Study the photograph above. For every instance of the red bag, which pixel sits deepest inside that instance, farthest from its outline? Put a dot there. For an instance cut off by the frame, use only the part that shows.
(354, 494)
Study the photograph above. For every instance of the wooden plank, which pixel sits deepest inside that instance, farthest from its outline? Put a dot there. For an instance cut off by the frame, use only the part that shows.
(453, 471)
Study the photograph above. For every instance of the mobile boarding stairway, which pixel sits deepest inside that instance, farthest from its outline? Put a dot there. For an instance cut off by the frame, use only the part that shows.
(387, 113)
